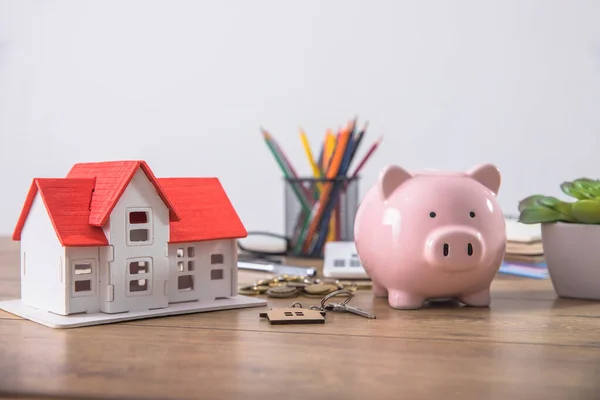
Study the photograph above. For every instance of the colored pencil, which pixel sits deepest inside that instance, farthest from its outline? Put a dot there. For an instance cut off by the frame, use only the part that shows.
(336, 219)
(311, 160)
(332, 172)
(285, 169)
(292, 171)
(329, 148)
(366, 157)
(333, 197)
(358, 140)
(320, 220)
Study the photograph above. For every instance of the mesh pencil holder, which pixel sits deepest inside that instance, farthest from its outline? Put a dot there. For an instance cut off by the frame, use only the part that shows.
(319, 210)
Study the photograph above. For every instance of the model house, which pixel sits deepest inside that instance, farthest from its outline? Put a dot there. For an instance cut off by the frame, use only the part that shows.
(111, 237)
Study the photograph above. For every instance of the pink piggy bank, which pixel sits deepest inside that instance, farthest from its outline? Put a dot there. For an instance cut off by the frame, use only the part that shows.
(432, 235)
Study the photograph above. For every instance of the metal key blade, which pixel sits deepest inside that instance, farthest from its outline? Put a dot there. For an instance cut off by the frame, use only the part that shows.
(360, 312)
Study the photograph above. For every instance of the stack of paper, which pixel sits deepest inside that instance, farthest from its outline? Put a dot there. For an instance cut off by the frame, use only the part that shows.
(524, 242)
(524, 251)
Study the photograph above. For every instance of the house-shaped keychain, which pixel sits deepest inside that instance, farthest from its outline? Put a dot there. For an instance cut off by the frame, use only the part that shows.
(294, 315)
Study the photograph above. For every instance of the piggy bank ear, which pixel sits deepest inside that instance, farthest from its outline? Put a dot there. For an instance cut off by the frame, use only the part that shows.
(488, 175)
(390, 178)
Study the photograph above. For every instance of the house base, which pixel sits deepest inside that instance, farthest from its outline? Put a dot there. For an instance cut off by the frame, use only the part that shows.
(52, 320)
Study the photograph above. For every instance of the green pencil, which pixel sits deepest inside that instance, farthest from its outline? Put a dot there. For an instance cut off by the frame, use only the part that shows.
(286, 173)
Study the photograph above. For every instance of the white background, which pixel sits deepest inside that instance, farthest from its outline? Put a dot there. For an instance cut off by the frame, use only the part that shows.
(186, 86)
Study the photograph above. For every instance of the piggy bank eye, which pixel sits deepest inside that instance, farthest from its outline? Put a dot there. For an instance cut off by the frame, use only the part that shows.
(432, 214)
(472, 214)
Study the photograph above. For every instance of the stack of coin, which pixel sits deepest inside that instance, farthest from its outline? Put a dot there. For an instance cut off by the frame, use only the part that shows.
(282, 292)
(292, 286)
(320, 289)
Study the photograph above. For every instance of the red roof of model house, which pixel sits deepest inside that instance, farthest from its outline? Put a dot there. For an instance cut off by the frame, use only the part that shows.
(112, 178)
(68, 205)
(81, 203)
(206, 210)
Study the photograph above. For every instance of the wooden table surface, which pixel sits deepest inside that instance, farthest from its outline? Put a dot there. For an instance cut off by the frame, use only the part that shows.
(528, 345)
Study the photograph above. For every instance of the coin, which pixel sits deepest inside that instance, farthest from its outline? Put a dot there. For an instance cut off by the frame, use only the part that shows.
(321, 288)
(248, 292)
(360, 285)
(316, 296)
(282, 291)
(296, 284)
(262, 288)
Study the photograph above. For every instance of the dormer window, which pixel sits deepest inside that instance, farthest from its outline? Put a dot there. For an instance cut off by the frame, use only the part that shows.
(139, 226)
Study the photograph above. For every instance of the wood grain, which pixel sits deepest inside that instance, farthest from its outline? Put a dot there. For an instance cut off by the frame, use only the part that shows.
(528, 345)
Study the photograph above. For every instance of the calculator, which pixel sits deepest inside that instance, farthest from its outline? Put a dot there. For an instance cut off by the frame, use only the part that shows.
(340, 261)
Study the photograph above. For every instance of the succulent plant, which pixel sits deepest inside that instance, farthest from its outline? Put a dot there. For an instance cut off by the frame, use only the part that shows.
(585, 209)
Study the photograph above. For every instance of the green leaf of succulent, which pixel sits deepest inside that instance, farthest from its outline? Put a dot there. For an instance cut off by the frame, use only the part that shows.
(584, 179)
(562, 207)
(539, 215)
(587, 211)
(569, 189)
(584, 189)
(530, 201)
(566, 210)
(592, 187)
(548, 201)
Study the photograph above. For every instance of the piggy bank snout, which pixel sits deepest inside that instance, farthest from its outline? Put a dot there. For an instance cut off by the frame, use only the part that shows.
(455, 248)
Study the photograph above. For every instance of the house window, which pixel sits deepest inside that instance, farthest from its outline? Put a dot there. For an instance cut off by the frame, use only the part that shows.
(139, 276)
(138, 217)
(83, 268)
(185, 265)
(139, 226)
(185, 283)
(83, 276)
(139, 267)
(83, 286)
(216, 274)
(216, 259)
(290, 314)
(140, 285)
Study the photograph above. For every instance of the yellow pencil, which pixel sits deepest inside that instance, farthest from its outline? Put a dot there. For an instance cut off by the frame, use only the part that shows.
(311, 160)
(330, 140)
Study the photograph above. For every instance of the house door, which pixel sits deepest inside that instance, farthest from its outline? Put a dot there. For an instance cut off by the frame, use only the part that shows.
(139, 276)
(220, 275)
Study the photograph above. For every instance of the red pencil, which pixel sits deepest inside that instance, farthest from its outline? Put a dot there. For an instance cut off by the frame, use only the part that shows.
(366, 157)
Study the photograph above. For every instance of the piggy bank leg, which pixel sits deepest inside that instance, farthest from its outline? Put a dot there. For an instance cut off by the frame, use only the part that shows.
(378, 290)
(477, 299)
(404, 300)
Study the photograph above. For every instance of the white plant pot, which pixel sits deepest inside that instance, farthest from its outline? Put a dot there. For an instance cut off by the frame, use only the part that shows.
(572, 253)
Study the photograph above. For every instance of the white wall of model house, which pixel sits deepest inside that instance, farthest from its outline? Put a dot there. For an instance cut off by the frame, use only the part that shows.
(42, 262)
(202, 270)
(138, 234)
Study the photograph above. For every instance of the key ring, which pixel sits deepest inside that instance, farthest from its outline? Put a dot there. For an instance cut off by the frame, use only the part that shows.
(348, 294)
(296, 305)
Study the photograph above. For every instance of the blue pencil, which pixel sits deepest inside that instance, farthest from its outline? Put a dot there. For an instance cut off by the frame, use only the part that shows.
(318, 244)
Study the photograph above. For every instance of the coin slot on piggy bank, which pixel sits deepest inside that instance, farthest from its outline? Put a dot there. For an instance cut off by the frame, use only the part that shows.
(432, 235)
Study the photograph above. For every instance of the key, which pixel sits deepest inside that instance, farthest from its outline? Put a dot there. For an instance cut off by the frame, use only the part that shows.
(345, 308)
(358, 311)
